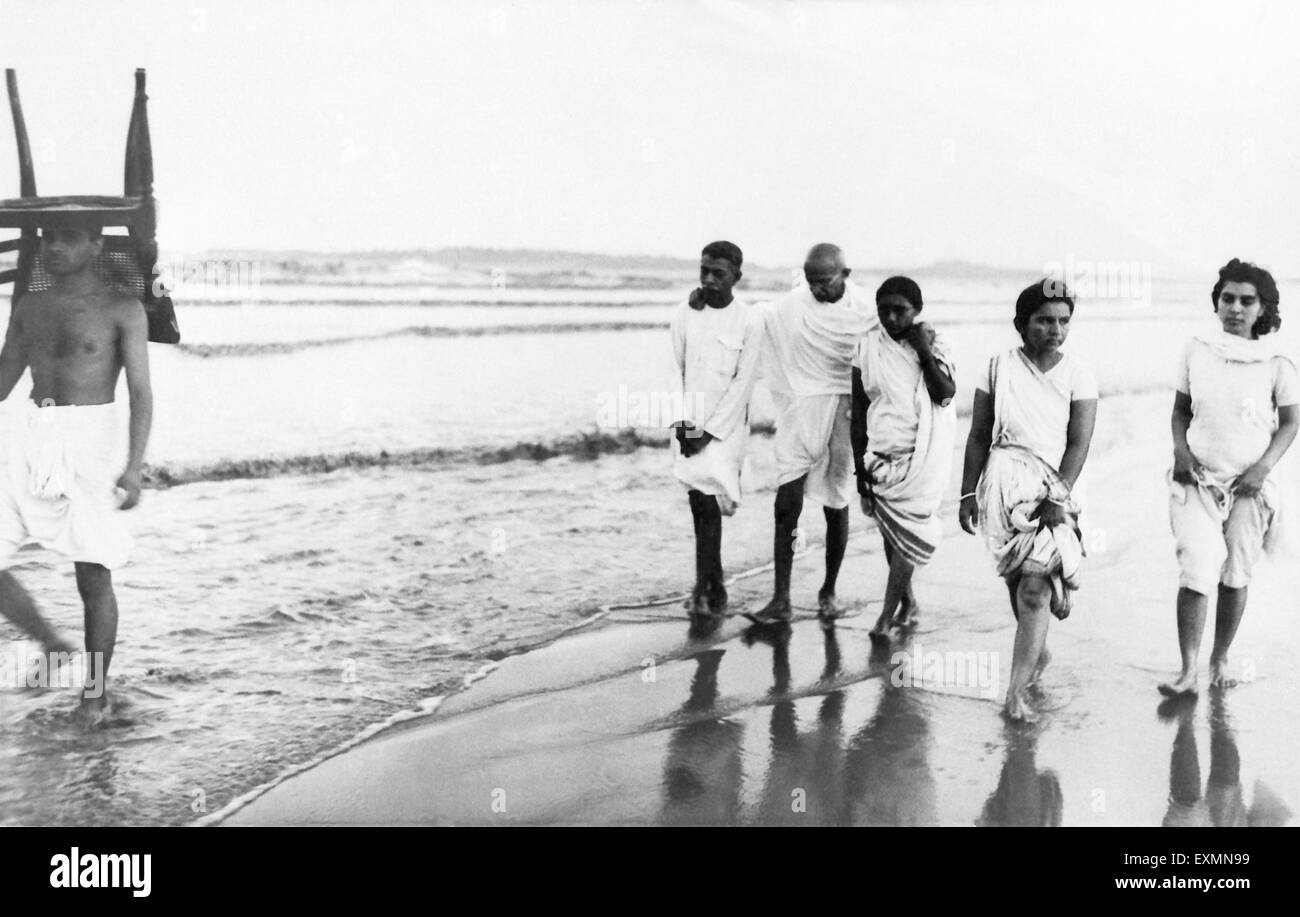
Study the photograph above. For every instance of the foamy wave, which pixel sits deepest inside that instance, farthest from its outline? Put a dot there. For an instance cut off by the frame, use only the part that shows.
(584, 445)
(424, 331)
(589, 445)
(245, 302)
(541, 327)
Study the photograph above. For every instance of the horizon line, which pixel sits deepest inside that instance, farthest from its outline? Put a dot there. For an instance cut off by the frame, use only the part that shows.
(671, 260)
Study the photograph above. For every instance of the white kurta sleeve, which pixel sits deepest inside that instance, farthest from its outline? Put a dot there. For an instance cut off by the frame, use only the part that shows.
(732, 411)
(677, 376)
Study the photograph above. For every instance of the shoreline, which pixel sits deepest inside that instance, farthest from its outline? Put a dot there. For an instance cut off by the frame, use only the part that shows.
(288, 603)
(429, 709)
(587, 445)
(588, 731)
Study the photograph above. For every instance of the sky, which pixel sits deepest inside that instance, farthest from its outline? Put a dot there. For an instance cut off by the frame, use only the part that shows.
(1004, 133)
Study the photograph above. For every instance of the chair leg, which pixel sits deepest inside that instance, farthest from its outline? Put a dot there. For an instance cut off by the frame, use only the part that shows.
(138, 174)
(26, 174)
(26, 186)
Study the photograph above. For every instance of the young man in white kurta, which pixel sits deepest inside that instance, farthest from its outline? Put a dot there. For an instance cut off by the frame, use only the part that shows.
(716, 343)
(812, 337)
(716, 350)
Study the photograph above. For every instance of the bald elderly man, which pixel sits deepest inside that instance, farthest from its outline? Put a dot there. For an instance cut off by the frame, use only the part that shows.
(812, 337)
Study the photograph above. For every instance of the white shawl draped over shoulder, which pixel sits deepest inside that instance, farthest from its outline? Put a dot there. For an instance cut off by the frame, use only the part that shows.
(909, 443)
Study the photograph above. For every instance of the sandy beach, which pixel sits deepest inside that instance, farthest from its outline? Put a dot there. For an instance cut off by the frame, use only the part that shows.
(409, 548)
(341, 536)
(638, 719)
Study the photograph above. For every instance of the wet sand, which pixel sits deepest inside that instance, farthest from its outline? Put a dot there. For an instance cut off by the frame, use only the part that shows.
(639, 720)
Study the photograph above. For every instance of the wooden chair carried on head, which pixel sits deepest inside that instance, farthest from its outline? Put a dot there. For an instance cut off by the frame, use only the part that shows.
(127, 263)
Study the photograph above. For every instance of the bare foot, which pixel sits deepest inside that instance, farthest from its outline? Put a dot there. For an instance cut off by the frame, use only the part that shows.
(1219, 677)
(697, 604)
(1044, 659)
(908, 619)
(92, 711)
(777, 610)
(879, 632)
(1016, 710)
(1185, 683)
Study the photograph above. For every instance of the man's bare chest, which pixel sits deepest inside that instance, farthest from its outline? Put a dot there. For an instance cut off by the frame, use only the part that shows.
(71, 333)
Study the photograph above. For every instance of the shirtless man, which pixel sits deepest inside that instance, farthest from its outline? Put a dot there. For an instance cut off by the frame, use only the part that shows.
(58, 467)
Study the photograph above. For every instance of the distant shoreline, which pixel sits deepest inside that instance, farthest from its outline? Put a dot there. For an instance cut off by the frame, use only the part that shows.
(430, 263)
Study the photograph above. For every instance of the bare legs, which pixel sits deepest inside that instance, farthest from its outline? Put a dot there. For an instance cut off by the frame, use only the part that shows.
(1192, 608)
(17, 605)
(1033, 600)
(789, 506)
(1227, 618)
(709, 594)
(95, 583)
(837, 541)
(898, 595)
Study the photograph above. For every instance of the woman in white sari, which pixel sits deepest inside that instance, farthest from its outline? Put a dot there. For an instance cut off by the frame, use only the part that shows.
(1031, 427)
(1236, 412)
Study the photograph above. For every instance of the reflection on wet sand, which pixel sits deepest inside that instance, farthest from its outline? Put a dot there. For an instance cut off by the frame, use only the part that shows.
(803, 783)
(1222, 805)
(823, 765)
(888, 768)
(1025, 797)
(814, 774)
(703, 768)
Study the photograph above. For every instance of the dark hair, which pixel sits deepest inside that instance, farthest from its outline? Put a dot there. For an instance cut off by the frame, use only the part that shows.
(1236, 271)
(1039, 294)
(727, 251)
(92, 227)
(905, 287)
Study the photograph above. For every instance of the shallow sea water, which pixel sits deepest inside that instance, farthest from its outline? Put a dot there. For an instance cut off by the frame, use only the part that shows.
(265, 622)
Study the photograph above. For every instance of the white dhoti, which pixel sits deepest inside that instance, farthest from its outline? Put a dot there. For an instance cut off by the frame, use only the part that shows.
(812, 439)
(57, 484)
(808, 366)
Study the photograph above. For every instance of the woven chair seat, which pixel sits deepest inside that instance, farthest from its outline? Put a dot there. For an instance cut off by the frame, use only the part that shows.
(117, 266)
